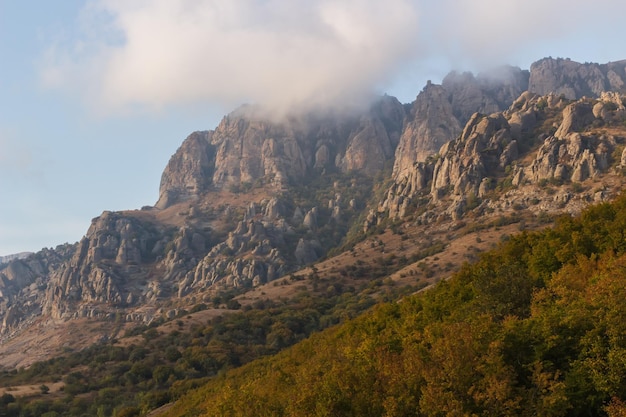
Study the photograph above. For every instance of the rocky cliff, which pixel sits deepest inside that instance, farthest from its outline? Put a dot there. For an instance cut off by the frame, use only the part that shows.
(248, 148)
(188, 173)
(574, 80)
(256, 198)
(464, 163)
(439, 112)
(505, 159)
(238, 206)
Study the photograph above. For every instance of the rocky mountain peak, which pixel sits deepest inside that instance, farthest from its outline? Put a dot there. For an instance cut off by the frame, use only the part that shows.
(538, 139)
(249, 148)
(259, 198)
(189, 171)
(439, 112)
(431, 123)
(574, 80)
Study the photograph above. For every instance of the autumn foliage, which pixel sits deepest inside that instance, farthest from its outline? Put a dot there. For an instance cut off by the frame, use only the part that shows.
(536, 327)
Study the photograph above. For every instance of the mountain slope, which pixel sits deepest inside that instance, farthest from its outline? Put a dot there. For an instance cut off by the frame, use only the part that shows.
(259, 199)
(535, 327)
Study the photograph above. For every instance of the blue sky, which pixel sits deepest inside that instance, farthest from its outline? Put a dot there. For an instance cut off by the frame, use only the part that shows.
(95, 96)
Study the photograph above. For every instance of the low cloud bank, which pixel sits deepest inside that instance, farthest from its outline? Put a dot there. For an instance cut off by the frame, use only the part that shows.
(291, 54)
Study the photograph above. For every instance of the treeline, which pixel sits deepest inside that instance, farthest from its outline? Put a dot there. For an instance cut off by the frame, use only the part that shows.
(536, 327)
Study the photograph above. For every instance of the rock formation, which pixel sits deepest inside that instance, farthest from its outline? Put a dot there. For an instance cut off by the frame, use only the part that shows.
(439, 112)
(258, 198)
(574, 80)
(566, 142)
(189, 171)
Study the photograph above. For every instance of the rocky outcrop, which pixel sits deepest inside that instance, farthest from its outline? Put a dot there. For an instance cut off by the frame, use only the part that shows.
(431, 123)
(573, 158)
(575, 117)
(130, 260)
(23, 283)
(189, 171)
(439, 112)
(250, 148)
(103, 265)
(574, 80)
(484, 147)
(495, 148)
(472, 143)
(369, 147)
(571, 154)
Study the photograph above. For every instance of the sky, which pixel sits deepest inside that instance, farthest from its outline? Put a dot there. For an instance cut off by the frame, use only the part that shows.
(95, 96)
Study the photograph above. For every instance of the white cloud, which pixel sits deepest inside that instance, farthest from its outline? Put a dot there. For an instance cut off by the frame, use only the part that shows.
(150, 54)
(281, 53)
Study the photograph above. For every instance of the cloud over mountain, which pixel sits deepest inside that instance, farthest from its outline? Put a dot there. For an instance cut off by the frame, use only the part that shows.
(288, 53)
(279, 52)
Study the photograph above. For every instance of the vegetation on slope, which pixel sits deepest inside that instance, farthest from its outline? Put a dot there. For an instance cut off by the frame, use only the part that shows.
(158, 366)
(536, 327)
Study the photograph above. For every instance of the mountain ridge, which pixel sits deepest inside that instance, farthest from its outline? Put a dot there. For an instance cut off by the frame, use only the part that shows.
(255, 200)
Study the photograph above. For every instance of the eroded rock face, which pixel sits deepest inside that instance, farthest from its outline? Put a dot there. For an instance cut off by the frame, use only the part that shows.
(575, 116)
(439, 112)
(103, 264)
(486, 93)
(574, 80)
(475, 155)
(189, 171)
(494, 147)
(369, 147)
(573, 158)
(446, 156)
(431, 123)
(251, 148)
(130, 261)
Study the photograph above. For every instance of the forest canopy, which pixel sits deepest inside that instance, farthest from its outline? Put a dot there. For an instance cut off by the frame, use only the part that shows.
(535, 327)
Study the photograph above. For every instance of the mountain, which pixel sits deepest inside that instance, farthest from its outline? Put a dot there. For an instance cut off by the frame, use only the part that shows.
(256, 199)
(535, 327)
(574, 80)
(351, 207)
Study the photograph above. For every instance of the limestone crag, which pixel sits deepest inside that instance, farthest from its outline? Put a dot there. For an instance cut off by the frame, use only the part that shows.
(574, 80)
(103, 264)
(189, 171)
(514, 147)
(439, 112)
(474, 156)
(23, 283)
(130, 260)
(431, 123)
(249, 148)
(259, 197)
(486, 93)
